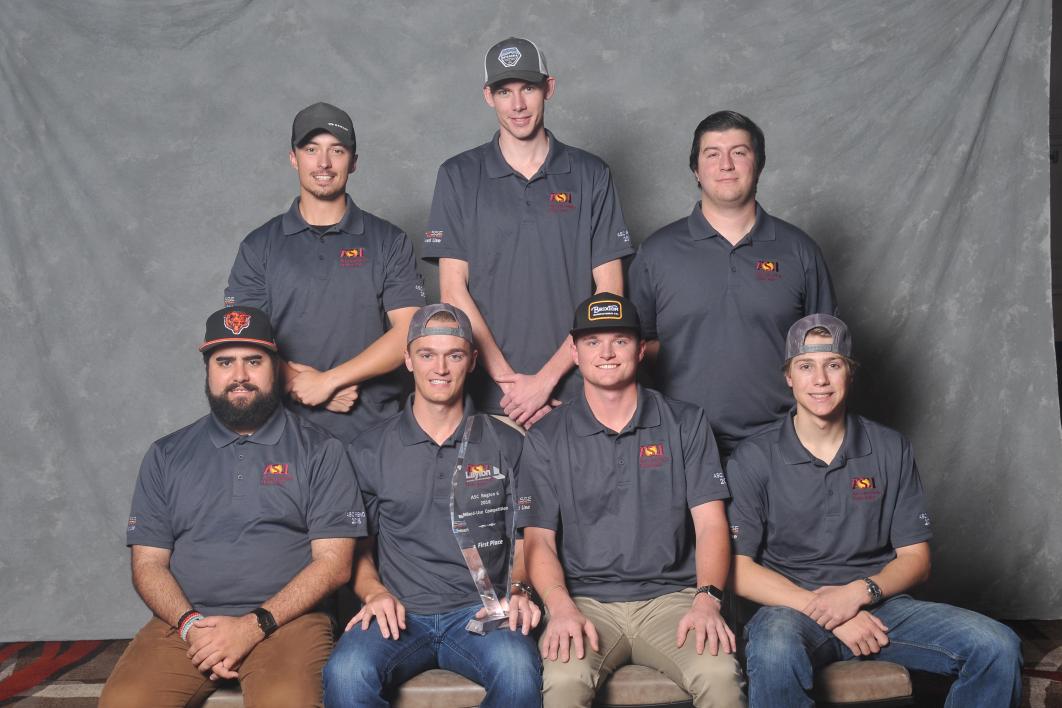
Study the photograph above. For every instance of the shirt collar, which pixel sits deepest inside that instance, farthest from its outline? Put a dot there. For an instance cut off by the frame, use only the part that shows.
(700, 229)
(558, 160)
(410, 432)
(585, 424)
(268, 434)
(856, 442)
(352, 222)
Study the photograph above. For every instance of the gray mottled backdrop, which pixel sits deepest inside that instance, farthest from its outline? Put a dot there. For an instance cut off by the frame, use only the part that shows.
(141, 141)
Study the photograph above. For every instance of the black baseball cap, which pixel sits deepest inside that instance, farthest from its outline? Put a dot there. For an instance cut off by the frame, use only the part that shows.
(842, 339)
(323, 116)
(238, 325)
(605, 311)
(514, 58)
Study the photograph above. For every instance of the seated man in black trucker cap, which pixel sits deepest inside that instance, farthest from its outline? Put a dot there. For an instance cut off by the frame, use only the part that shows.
(624, 526)
(831, 529)
(242, 524)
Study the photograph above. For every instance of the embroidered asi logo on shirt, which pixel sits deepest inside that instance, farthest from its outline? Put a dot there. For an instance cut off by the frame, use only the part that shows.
(352, 257)
(561, 201)
(652, 455)
(864, 489)
(275, 474)
(767, 270)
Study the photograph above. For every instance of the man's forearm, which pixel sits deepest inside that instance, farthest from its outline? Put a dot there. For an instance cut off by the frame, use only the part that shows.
(910, 567)
(453, 289)
(713, 554)
(381, 357)
(766, 587)
(544, 569)
(366, 582)
(323, 575)
(160, 592)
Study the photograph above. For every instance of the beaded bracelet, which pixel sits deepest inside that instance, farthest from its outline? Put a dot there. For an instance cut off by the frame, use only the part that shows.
(185, 616)
(187, 626)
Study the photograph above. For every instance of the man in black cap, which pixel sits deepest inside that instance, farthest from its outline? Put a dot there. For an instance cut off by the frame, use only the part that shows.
(418, 591)
(523, 228)
(624, 527)
(338, 284)
(242, 524)
(831, 529)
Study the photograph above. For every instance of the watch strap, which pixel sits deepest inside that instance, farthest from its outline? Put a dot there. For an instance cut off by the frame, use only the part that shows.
(266, 622)
(711, 590)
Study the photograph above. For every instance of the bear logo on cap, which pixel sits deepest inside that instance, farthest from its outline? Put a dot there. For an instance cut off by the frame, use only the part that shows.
(237, 321)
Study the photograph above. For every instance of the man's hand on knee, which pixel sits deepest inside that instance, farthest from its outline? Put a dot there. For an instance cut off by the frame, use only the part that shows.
(864, 634)
(390, 615)
(708, 627)
(564, 629)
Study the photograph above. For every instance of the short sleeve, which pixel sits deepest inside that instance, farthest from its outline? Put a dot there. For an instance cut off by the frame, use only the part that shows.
(610, 238)
(818, 286)
(537, 497)
(705, 480)
(149, 519)
(643, 294)
(910, 519)
(402, 285)
(334, 508)
(247, 279)
(445, 237)
(747, 511)
(365, 474)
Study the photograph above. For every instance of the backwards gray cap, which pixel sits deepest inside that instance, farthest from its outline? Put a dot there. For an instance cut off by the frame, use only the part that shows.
(841, 344)
(418, 326)
(514, 58)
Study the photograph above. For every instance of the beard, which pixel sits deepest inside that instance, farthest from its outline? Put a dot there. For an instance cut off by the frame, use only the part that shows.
(249, 415)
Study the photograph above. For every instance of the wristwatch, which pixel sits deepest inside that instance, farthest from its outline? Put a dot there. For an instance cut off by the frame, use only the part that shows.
(874, 590)
(711, 590)
(266, 623)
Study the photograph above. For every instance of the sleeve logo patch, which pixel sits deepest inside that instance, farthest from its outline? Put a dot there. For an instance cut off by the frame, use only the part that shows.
(236, 321)
(605, 310)
(864, 489)
(230, 301)
(523, 504)
(652, 455)
(433, 236)
(275, 474)
(357, 518)
(132, 524)
(561, 201)
(923, 517)
(767, 270)
(352, 257)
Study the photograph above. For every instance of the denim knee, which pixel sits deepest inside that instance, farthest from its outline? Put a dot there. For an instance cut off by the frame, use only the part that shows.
(774, 638)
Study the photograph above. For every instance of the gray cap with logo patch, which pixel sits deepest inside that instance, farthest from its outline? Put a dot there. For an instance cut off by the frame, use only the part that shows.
(514, 58)
(842, 339)
(323, 117)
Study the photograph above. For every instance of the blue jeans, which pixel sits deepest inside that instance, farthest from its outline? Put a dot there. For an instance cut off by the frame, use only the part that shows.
(365, 668)
(785, 647)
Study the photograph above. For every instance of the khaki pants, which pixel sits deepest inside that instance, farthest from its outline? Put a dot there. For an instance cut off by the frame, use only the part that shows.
(642, 633)
(283, 670)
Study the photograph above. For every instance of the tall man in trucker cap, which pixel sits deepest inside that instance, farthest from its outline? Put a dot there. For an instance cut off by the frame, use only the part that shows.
(624, 528)
(718, 290)
(242, 524)
(523, 228)
(418, 593)
(338, 284)
(831, 529)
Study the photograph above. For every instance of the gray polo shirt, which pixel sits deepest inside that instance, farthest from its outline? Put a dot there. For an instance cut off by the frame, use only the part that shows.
(620, 502)
(406, 481)
(239, 512)
(721, 313)
(530, 245)
(328, 298)
(820, 524)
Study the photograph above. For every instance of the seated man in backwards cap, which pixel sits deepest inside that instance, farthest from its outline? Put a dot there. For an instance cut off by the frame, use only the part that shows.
(242, 524)
(625, 528)
(831, 530)
(418, 589)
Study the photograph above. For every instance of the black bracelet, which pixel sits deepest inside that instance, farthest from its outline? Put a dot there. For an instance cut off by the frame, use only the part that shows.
(527, 590)
(185, 616)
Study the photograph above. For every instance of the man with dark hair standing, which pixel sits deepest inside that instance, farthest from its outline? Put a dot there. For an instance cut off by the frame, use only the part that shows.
(624, 526)
(242, 524)
(523, 228)
(338, 284)
(726, 283)
(830, 530)
(419, 591)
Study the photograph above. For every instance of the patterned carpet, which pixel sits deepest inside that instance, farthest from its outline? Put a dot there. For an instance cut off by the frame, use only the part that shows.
(70, 674)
